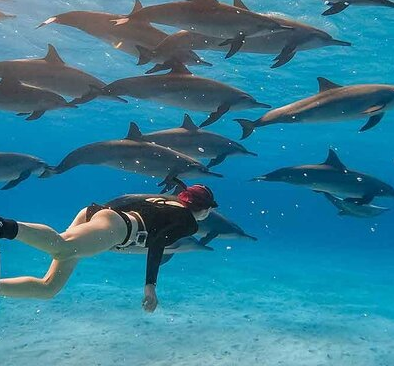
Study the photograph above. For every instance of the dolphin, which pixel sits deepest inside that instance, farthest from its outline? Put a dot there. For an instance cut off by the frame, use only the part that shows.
(218, 226)
(134, 155)
(196, 143)
(333, 103)
(210, 18)
(286, 43)
(181, 89)
(28, 100)
(338, 6)
(214, 226)
(51, 73)
(335, 178)
(353, 209)
(126, 38)
(15, 168)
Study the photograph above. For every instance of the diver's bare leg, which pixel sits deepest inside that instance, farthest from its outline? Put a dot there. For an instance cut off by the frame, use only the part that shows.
(40, 288)
(104, 231)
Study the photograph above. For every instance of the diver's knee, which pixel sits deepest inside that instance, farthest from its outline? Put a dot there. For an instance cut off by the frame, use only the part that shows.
(48, 290)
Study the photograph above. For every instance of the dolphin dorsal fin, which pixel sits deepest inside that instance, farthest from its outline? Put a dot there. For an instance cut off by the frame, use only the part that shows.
(325, 84)
(134, 132)
(179, 68)
(188, 124)
(333, 160)
(137, 7)
(240, 4)
(52, 56)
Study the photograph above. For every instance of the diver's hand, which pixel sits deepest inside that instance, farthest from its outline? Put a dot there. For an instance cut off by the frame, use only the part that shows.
(150, 301)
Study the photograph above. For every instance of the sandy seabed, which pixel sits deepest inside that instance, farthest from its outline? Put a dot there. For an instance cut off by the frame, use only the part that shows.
(210, 318)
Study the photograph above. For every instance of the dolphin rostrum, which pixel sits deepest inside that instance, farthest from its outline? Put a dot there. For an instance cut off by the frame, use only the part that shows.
(335, 178)
(333, 103)
(285, 43)
(134, 155)
(218, 226)
(29, 100)
(15, 168)
(338, 6)
(196, 142)
(51, 73)
(211, 18)
(126, 38)
(353, 209)
(182, 89)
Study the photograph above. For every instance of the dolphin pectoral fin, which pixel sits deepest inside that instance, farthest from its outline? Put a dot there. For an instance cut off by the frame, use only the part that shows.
(342, 213)
(336, 8)
(236, 44)
(214, 116)
(35, 115)
(317, 191)
(169, 182)
(285, 56)
(208, 238)
(166, 258)
(365, 200)
(372, 122)
(374, 108)
(23, 114)
(13, 183)
(216, 161)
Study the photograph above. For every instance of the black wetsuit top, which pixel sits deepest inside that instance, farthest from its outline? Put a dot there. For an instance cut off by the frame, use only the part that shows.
(165, 224)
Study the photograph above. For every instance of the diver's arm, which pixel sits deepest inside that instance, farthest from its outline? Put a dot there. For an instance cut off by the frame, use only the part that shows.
(155, 255)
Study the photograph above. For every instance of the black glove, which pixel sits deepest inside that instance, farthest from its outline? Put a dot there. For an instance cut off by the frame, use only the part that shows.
(8, 229)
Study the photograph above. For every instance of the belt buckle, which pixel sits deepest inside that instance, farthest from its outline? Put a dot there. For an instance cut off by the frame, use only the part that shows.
(140, 238)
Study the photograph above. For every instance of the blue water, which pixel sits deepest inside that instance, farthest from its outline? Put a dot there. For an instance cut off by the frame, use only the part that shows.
(316, 289)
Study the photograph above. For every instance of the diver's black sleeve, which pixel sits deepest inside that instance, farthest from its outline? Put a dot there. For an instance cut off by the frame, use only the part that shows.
(184, 226)
(155, 254)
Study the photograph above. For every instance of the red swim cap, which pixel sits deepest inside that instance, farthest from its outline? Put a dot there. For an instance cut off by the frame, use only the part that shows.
(197, 197)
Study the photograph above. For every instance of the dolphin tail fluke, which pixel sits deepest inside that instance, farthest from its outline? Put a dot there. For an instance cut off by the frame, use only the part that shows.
(145, 55)
(336, 8)
(49, 172)
(247, 127)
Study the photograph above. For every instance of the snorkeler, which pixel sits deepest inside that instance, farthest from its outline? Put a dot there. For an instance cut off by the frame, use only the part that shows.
(152, 223)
